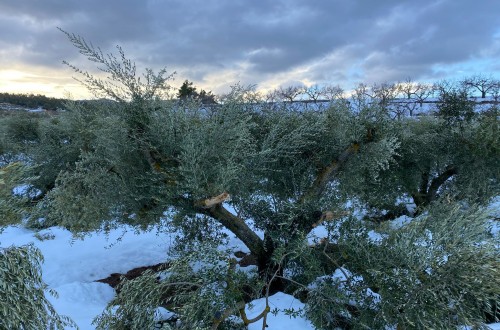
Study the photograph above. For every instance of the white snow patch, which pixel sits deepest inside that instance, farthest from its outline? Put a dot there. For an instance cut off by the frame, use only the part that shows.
(82, 301)
(72, 266)
(280, 321)
(317, 234)
(162, 314)
(375, 237)
(400, 222)
(26, 190)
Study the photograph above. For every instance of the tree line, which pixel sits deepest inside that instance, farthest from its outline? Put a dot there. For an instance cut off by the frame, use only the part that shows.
(33, 101)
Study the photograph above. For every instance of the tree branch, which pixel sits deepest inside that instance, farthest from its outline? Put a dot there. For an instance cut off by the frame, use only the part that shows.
(420, 197)
(210, 202)
(427, 192)
(235, 224)
(439, 181)
(328, 172)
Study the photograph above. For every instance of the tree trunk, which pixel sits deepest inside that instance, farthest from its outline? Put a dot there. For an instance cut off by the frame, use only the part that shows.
(428, 191)
(261, 249)
(237, 226)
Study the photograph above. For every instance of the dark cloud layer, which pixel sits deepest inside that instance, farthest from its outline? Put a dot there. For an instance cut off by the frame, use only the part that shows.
(318, 41)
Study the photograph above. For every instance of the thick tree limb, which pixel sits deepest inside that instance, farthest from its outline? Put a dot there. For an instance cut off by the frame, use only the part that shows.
(210, 202)
(327, 173)
(420, 196)
(324, 176)
(236, 225)
(428, 191)
(439, 181)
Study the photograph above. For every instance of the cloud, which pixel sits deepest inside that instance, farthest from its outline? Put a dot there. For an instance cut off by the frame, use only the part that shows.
(261, 41)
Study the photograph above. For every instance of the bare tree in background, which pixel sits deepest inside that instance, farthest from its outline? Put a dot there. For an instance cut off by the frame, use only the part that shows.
(314, 93)
(414, 94)
(495, 91)
(384, 93)
(480, 83)
(362, 96)
(332, 93)
(289, 93)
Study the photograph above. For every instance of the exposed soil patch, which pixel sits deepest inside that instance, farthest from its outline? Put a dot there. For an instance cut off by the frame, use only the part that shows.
(246, 259)
(115, 279)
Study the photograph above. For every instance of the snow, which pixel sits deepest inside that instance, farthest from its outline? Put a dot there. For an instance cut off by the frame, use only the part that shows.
(282, 302)
(163, 314)
(26, 190)
(494, 209)
(400, 222)
(317, 234)
(72, 266)
(375, 237)
(82, 301)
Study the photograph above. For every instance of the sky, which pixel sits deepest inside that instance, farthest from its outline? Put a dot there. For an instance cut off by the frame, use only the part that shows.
(270, 44)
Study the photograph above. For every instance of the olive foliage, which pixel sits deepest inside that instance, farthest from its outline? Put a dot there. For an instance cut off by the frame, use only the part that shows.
(426, 274)
(23, 304)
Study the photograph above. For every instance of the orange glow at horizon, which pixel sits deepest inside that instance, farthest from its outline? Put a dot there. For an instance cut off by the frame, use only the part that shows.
(50, 84)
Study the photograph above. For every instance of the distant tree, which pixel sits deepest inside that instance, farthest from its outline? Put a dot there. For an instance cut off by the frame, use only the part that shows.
(422, 92)
(415, 94)
(188, 91)
(33, 101)
(289, 93)
(207, 97)
(384, 93)
(362, 97)
(271, 96)
(332, 93)
(479, 83)
(495, 91)
(314, 93)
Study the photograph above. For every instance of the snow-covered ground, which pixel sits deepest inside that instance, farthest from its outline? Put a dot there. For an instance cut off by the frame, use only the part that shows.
(71, 267)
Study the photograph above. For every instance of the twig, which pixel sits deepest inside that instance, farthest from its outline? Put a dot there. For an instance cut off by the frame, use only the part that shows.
(335, 262)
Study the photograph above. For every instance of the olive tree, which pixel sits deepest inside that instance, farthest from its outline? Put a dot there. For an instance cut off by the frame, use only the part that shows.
(140, 155)
(484, 85)
(268, 175)
(422, 275)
